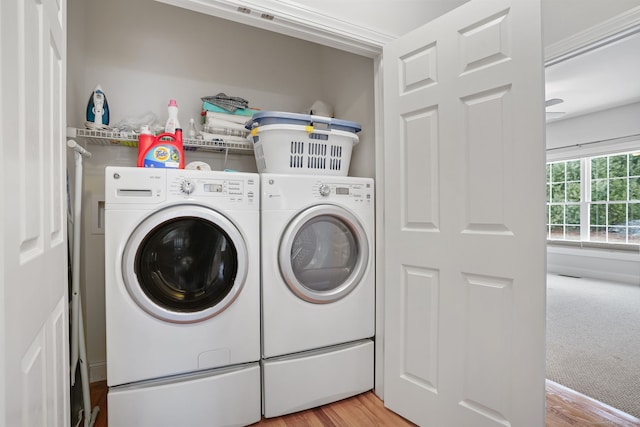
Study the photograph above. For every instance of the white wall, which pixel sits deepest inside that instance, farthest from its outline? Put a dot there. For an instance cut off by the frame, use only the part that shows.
(564, 18)
(603, 126)
(617, 129)
(144, 52)
(596, 263)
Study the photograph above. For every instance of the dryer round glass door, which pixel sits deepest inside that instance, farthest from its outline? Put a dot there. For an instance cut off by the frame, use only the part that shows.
(323, 254)
(185, 263)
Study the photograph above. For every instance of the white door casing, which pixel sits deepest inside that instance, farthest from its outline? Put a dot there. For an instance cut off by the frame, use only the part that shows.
(33, 290)
(464, 252)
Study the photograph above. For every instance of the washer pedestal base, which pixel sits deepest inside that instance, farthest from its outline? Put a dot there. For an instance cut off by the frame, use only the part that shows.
(301, 381)
(221, 397)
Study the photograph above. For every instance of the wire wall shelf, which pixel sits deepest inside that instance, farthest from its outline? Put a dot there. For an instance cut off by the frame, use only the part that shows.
(103, 137)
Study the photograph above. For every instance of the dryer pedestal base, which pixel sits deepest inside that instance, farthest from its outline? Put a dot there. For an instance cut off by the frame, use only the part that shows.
(221, 397)
(301, 381)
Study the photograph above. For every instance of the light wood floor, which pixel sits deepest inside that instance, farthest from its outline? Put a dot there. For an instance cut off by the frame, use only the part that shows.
(565, 408)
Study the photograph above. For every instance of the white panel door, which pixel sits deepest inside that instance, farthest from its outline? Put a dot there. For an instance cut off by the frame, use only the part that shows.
(34, 355)
(464, 222)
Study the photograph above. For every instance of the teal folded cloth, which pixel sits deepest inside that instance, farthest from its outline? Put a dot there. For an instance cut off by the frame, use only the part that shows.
(207, 106)
(229, 103)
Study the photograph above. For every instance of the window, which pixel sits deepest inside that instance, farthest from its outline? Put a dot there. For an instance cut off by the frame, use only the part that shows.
(563, 200)
(595, 199)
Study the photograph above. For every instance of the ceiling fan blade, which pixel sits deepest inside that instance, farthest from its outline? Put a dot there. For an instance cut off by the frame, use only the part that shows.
(553, 101)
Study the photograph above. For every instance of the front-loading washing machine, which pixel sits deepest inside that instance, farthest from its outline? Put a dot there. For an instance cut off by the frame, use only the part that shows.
(318, 289)
(182, 294)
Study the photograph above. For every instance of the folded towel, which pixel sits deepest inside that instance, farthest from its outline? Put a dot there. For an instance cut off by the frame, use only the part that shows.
(219, 123)
(207, 106)
(229, 103)
(226, 131)
(227, 117)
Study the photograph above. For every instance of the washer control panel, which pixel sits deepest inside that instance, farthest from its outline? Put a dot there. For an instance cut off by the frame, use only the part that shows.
(127, 185)
(206, 187)
(324, 190)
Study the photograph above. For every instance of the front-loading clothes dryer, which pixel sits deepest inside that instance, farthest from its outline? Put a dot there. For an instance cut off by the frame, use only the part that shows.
(318, 289)
(182, 293)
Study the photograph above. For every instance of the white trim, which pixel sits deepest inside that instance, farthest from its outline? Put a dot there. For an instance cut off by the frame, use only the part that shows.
(594, 148)
(379, 241)
(293, 20)
(610, 247)
(97, 371)
(596, 263)
(613, 29)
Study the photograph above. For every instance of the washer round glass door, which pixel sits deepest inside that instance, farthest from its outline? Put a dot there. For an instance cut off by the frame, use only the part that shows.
(185, 263)
(323, 253)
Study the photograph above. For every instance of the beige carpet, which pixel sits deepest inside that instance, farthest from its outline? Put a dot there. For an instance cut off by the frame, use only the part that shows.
(593, 339)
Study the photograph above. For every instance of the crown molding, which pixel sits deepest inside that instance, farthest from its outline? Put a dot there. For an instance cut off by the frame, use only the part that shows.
(606, 32)
(291, 19)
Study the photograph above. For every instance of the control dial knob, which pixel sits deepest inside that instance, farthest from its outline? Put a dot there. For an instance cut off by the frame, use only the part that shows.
(324, 190)
(187, 187)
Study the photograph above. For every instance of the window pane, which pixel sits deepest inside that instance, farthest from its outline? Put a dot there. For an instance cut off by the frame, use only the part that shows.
(598, 167)
(548, 193)
(618, 189)
(634, 235)
(618, 214)
(557, 193)
(599, 190)
(634, 213)
(573, 233)
(557, 214)
(634, 188)
(617, 234)
(548, 172)
(618, 166)
(573, 170)
(573, 214)
(557, 172)
(573, 191)
(598, 234)
(598, 214)
(634, 164)
(557, 232)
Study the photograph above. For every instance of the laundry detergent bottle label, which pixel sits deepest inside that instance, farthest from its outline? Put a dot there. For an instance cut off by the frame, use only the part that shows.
(162, 156)
(162, 151)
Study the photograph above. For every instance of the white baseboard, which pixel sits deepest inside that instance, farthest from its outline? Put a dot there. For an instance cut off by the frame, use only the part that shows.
(97, 371)
(617, 266)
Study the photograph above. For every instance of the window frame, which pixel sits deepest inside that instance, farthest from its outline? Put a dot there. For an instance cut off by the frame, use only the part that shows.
(585, 157)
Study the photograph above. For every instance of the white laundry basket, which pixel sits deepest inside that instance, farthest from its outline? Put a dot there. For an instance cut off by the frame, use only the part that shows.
(302, 144)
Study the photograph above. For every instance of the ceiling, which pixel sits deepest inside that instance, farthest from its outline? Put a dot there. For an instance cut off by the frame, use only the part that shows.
(599, 79)
(603, 78)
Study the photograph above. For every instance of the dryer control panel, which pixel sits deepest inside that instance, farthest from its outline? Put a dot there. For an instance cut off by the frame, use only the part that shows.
(357, 192)
(281, 191)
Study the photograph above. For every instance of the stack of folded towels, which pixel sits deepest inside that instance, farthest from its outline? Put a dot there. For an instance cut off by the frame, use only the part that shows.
(225, 117)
